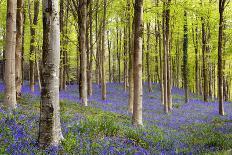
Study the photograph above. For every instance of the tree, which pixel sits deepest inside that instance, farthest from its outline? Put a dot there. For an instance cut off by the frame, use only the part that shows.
(166, 63)
(148, 58)
(204, 59)
(131, 50)
(49, 124)
(33, 23)
(82, 13)
(90, 57)
(9, 75)
(19, 46)
(185, 57)
(137, 63)
(220, 55)
(103, 80)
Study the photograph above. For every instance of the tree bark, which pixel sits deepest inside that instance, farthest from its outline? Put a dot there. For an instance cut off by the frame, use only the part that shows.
(185, 57)
(49, 126)
(90, 89)
(103, 80)
(19, 46)
(138, 90)
(33, 23)
(9, 71)
(82, 13)
(131, 49)
(148, 59)
(220, 55)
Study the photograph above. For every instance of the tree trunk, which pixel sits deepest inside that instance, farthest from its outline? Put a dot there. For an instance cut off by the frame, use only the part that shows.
(195, 42)
(109, 50)
(131, 49)
(185, 57)
(19, 46)
(82, 13)
(103, 80)
(90, 89)
(166, 63)
(204, 59)
(125, 59)
(33, 23)
(62, 44)
(118, 54)
(9, 71)
(138, 90)
(220, 55)
(148, 59)
(49, 126)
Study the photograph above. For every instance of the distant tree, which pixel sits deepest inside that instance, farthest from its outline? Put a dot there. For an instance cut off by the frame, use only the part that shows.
(103, 80)
(204, 58)
(19, 46)
(148, 58)
(131, 42)
(82, 14)
(90, 57)
(185, 57)
(33, 23)
(49, 123)
(166, 63)
(9, 75)
(220, 55)
(137, 63)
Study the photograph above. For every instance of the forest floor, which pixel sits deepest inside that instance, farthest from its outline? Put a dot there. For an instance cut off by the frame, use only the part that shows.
(105, 126)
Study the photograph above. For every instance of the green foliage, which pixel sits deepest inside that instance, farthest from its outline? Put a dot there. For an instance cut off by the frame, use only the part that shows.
(208, 137)
(101, 125)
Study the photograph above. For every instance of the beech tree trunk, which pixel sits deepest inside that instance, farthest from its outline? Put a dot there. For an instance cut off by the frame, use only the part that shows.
(9, 71)
(125, 76)
(166, 59)
(148, 59)
(220, 55)
(82, 13)
(185, 57)
(19, 46)
(204, 60)
(33, 23)
(131, 49)
(50, 126)
(137, 64)
(90, 64)
(103, 80)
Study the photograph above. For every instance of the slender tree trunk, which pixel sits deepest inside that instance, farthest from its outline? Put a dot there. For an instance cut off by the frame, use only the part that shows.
(118, 54)
(195, 42)
(50, 126)
(185, 57)
(131, 49)
(148, 59)
(9, 71)
(109, 50)
(19, 46)
(125, 59)
(204, 59)
(138, 90)
(97, 45)
(90, 89)
(169, 57)
(62, 44)
(166, 64)
(103, 80)
(82, 13)
(161, 62)
(33, 23)
(220, 55)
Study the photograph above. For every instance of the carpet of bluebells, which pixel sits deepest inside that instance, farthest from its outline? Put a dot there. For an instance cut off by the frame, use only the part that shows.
(105, 126)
